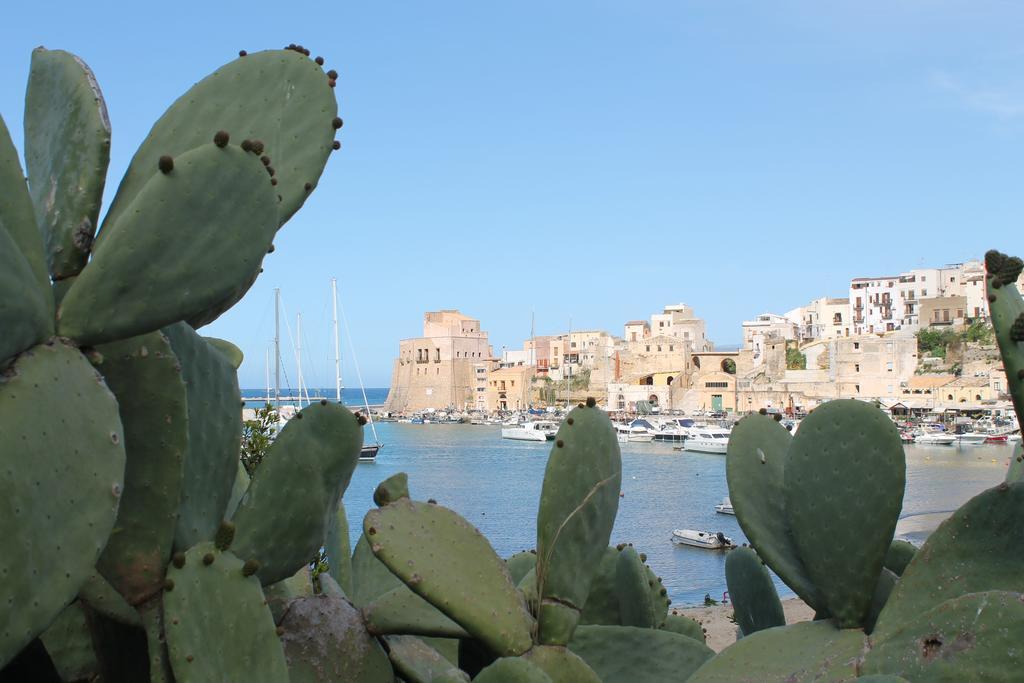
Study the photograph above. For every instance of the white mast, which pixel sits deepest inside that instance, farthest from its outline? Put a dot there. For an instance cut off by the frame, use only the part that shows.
(267, 368)
(298, 352)
(277, 349)
(337, 344)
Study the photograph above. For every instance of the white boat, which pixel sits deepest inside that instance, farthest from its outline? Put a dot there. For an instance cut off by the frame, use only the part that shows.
(702, 539)
(705, 440)
(633, 433)
(725, 507)
(935, 439)
(972, 438)
(538, 430)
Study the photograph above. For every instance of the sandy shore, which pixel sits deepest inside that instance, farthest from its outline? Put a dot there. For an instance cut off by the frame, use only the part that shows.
(721, 631)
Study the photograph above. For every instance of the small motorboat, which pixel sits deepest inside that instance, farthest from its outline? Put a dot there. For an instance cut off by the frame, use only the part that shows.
(633, 433)
(996, 438)
(972, 438)
(536, 430)
(704, 440)
(935, 439)
(702, 539)
(725, 507)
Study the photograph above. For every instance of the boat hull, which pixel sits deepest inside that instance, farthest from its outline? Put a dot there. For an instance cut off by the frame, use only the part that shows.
(369, 453)
(698, 446)
(523, 435)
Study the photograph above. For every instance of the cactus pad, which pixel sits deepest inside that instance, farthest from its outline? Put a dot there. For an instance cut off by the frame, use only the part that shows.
(24, 311)
(58, 495)
(417, 662)
(370, 577)
(146, 379)
(755, 602)
(99, 595)
(69, 645)
(623, 654)
(391, 489)
(230, 351)
(67, 149)
(279, 97)
(325, 640)
(845, 475)
(683, 625)
(521, 564)
(636, 604)
(755, 467)
(339, 550)
(578, 504)
(208, 223)
(899, 555)
(447, 561)
(214, 436)
(561, 665)
(17, 215)
(512, 670)
(400, 611)
(1005, 308)
(217, 624)
(284, 516)
(602, 606)
(974, 637)
(808, 651)
(980, 548)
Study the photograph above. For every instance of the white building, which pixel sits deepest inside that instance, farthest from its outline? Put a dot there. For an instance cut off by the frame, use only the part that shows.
(679, 320)
(764, 328)
(824, 318)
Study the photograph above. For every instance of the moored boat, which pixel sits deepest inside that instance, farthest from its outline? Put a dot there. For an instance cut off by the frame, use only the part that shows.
(725, 507)
(704, 440)
(702, 539)
(935, 439)
(538, 430)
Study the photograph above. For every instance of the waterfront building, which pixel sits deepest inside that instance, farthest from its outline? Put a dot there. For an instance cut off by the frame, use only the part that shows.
(440, 369)
(636, 330)
(679, 320)
(944, 311)
(766, 328)
(823, 318)
(508, 388)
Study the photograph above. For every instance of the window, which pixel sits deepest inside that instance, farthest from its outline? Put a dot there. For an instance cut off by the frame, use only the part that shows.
(924, 293)
(648, 348)
(856, 367)
(856, 346)
(659, 348)
(888, 366)
(572, 345)
(716, 385)
(856, 388)
(671, 347)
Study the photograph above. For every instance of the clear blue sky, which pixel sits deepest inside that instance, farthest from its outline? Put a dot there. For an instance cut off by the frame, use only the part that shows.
(592, 159)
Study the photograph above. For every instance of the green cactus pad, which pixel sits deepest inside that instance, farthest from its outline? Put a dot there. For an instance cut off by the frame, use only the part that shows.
(230, 351)
(402, 612)
(1005, 307)
(146, 379)
(1015, 471)
(152, 614)
(845, 475)
(561, 665)
(627, 654)
(636, 604)
(448, 562)
(17, 215)
(417, 662)
(279, 595)
(899, 555)
(527, 587)
(279, 97)
(67, 149)
(370, 577)
(339, 550)
(49, 393)
(391, 489)
(217, 625)
(578, 504)
(881, 678)
(980, 548)
(755, 467)
(808, 651)
(100, 596)
(756, 604)
(325, 640)
(887, 581)
(521, 564)
(238, 489)
(69, 645)
(214, 436)
(284, 516)
(512, 670)
(602, 606)
(207, 223)
(328, 586)
(683, 625)
(974, 637)
(24, 308)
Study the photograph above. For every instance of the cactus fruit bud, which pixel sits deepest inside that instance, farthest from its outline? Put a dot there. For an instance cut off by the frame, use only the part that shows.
(991, 298)
(246, 145)
(225, 535)
(265, 159)
(569, 421)
(257, 147)
(323, 401)
(337, 123)
(778, 417)
(208, 559)
(280, 630)
(362, 420)
(242, 53)
(272, 249)
(307, 187)
(332, 74)
(168, 584)
(221, 138)
(1017, 329)
(336, 145)
(273, 181)
(319, 60)
(331, 82)
(431, 501)
(166, 164)
(178, 560)
(591, 402)
(250, 567)
(560, 443)
(270, 170)
(298, 416)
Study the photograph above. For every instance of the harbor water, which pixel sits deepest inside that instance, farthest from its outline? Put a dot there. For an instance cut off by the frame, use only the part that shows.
(496, 483)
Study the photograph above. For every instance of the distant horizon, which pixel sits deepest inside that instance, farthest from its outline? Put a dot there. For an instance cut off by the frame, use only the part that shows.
(592, 161)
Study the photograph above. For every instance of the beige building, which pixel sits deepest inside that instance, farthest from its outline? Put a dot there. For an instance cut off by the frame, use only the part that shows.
(824, 318)
(636, 330)
(679, 320)
(440, 369)
(508, 388)
(944, 311)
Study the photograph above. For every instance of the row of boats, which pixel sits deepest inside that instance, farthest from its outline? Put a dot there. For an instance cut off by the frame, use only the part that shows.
(691, 436)
(939, 437)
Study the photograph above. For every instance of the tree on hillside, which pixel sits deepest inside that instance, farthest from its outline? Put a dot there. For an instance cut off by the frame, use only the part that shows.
(795, 360)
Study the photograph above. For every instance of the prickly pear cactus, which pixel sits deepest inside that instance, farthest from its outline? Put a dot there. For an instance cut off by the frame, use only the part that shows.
(755, 602)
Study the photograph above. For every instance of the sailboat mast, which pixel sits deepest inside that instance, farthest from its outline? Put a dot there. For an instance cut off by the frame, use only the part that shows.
(337, 343)
(266, 368)
(277, 348)
(298, 352)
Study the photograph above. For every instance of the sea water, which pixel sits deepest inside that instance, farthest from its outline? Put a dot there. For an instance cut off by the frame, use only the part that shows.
(495, 484)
